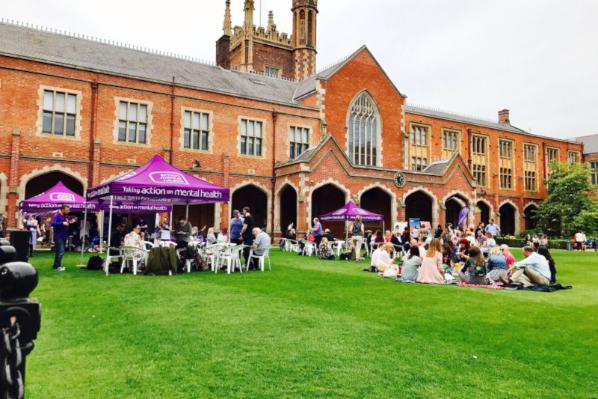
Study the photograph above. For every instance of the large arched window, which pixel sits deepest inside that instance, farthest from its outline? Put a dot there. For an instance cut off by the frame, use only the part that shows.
(364, 131)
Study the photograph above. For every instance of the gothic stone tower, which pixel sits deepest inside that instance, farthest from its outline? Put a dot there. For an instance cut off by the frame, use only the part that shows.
(266, 50)
(305, 14)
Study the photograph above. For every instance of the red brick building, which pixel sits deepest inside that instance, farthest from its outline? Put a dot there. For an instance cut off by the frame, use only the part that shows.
(289, 142)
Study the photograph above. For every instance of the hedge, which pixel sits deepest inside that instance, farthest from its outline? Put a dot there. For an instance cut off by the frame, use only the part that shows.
(519, 242)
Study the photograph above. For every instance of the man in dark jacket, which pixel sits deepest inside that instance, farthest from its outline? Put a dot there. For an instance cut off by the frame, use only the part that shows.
(183, 233)
(60, 225)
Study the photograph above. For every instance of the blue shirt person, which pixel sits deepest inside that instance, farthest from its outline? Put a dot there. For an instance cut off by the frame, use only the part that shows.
(60, 226)
(236, 227)
(492, 228)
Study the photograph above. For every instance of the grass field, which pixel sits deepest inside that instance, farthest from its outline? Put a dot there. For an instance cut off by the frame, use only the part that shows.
(311, 329)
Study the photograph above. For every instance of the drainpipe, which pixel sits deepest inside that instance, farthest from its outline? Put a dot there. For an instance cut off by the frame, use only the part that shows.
(273, 195)
(469, 152)
(172, 87)
(93, 142)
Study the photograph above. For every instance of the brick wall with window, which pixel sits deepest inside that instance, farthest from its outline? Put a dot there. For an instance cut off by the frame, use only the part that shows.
(479, 150)
(506, 160)
(251, 137)
(298, 141)
(420, 147)
(530, 158)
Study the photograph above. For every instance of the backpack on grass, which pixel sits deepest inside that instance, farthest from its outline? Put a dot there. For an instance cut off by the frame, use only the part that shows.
(95, 263)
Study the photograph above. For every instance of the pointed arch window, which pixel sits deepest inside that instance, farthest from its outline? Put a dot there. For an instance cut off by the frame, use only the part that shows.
(364, 132)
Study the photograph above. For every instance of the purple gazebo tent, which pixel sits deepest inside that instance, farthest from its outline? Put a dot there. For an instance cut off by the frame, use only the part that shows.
(53, 199)
(157, 182)
(350, 211)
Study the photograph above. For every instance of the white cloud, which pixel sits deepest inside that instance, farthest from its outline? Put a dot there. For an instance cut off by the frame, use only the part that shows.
(537, 57)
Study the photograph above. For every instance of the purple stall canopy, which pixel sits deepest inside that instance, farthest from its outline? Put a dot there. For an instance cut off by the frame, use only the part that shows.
(54, 198)
(125, 207)
(159, 182)
(349, 212)
(463, 216)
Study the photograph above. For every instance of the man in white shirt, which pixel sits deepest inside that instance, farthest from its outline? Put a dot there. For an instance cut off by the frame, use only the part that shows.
(492, 228)
(374, 260)
(533, 270)
(580, 240)
(261, 245)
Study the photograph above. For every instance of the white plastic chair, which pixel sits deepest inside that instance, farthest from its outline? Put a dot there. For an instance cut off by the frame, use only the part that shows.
(310, 249)
(134, 255)
(231, 258)
(148, 245)
(261, 259)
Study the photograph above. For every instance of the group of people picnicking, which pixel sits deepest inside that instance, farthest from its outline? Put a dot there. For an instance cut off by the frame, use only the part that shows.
(434, 256)
(440, 255)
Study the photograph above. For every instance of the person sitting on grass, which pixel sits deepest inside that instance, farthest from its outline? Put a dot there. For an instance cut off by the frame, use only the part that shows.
(385, 263)
(497, 267)
(474, 271)
(543, 250)
(325, 249)
(504, 248)
(374, 260)
(411, 266)
(533, 270)
(431, 270)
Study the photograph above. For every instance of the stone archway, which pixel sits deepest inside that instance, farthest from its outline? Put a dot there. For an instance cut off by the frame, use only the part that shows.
(256, 198)
(45, 181)
(485, 211)
(287, 208)
(25, 179)
(378, 200)
(508, 219)
(327, 198)
(419, 204)
(529, 214)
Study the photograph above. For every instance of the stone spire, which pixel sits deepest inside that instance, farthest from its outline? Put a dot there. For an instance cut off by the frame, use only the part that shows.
(227, 27)
(271, 24)
(249, 8)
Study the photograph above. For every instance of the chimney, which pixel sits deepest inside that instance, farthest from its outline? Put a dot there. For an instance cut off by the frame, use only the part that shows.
(503, 117)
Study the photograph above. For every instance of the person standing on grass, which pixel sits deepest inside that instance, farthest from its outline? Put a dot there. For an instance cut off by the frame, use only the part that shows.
(236, 226)
(33, 226)
(317, 231)
(533, 270)
(357, 236)
(492, 228)
(580, 240)
(247, 232)
(183, 233)
(60, 225)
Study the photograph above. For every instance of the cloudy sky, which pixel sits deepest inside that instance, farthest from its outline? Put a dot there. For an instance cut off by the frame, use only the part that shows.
(539, 58)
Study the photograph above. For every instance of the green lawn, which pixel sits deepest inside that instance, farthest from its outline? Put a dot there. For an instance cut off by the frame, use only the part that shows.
(311, 329)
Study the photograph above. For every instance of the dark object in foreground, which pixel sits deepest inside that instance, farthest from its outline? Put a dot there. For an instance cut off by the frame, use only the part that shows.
(20, 319)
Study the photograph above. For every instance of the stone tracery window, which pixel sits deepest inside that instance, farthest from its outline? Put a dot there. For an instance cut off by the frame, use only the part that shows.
(363, 131)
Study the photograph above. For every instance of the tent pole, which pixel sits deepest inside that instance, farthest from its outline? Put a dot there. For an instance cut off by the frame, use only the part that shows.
(83, 236)
(109, 230)
(229, 217)
(170, 220)
(187, 212)
(101, 230)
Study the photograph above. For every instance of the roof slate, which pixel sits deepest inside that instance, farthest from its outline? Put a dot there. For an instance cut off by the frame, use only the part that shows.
(86, 54)
(590, 143)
